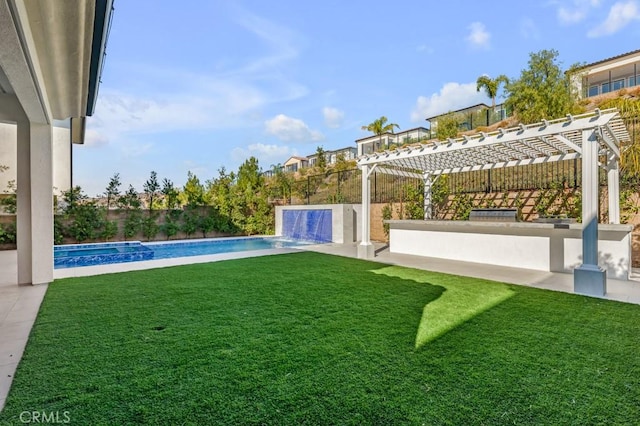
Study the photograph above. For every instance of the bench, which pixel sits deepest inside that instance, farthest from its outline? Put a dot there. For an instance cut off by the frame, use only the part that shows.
(494, 215)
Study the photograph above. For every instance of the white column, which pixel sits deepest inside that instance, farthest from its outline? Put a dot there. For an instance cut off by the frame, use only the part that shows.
(41, 203)
(23, 202)
(34, 204)
(589, 278)
(428, 209)
(613, 182)
(365, 248)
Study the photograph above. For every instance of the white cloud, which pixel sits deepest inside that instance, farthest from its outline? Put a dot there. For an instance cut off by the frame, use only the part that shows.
(229, 98)
(425, 48)
(620, 15)
(452, 96)
(575, 11)
(281, 40)
(290, 129)
(529, 29)
(265, 153)
(478, 35)
(333, 117)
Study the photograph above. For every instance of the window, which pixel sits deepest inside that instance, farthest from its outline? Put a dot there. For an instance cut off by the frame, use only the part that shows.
(632, 81)
(606, 88)
(618, 84)
(593, 91)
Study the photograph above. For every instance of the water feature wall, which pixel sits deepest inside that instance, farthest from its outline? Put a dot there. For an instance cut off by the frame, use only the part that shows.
(308, 225)
(320, 223)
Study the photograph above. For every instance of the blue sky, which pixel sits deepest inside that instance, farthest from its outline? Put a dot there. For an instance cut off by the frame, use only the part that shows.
(197, 85)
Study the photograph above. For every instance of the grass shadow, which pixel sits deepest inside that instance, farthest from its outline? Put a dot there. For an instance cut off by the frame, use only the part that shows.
(459, 302)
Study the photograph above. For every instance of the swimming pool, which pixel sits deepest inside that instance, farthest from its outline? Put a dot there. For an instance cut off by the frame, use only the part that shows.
(167, 250)
(78, 255)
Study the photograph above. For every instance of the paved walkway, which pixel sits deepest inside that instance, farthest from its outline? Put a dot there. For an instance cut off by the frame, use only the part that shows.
(622, 291)
(19, 305)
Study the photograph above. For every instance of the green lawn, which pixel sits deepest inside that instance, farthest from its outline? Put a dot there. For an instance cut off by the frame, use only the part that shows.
(314, 339)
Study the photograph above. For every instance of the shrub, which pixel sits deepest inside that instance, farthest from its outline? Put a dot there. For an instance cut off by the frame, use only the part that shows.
(150, 227)
(7, 233)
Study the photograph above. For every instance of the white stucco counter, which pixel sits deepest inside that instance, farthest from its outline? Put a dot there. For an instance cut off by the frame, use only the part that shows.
(540, 246)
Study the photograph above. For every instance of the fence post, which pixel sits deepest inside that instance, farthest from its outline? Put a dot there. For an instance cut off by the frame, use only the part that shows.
(375, 187)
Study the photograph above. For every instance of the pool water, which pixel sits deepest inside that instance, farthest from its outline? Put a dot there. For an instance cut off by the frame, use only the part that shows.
(223, 245)
(78, 255)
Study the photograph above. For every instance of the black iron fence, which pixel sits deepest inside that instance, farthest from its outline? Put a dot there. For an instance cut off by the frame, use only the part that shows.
(346, 186)
(519, 178)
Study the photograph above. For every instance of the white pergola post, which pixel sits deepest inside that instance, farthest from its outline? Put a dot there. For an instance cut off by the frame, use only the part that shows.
(428, 183)
(589, 278)
(34, 203)
(365, 248)
(613, 182)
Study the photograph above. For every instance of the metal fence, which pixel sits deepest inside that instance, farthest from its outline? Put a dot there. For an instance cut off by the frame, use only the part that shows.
(536, 176)
(346, 186)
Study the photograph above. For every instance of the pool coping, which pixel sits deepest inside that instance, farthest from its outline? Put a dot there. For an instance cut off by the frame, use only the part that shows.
(86, 271)
(136, 265)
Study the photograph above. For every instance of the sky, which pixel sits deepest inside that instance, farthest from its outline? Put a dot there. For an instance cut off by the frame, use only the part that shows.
(202, 84)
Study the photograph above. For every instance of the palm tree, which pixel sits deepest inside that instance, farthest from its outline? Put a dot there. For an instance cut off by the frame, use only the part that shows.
(491, 86)
(380, 126)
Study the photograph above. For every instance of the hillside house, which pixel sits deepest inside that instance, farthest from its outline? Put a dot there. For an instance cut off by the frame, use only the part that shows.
(375, 143)
(608, 75)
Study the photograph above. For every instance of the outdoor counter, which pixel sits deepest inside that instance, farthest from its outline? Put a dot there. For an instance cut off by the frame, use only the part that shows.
(540, 246)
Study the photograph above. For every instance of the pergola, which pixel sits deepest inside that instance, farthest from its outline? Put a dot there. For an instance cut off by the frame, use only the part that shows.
(596, 137)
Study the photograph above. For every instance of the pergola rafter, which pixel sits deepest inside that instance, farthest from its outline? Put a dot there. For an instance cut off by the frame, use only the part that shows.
(547, 139)
(588, 136)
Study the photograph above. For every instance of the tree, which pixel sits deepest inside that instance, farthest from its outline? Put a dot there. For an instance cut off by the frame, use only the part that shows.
(193, 191)
(151, 188)
(491, 86)
(9, 200)
(321, 158)
(379, 127)
(282, 183)
(448, 126)
(83, 216)
(542, 91)
(249, 176)
(130, 202)
(170, 194)
(219, 191)
(113, 190)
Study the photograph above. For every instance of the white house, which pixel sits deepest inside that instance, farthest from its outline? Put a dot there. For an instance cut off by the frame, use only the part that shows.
(61, 152)
(51, 56)
(608, 75)
(374, 143)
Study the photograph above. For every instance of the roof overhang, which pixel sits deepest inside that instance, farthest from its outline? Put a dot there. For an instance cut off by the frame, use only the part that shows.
(51, 55)
(548, 141)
